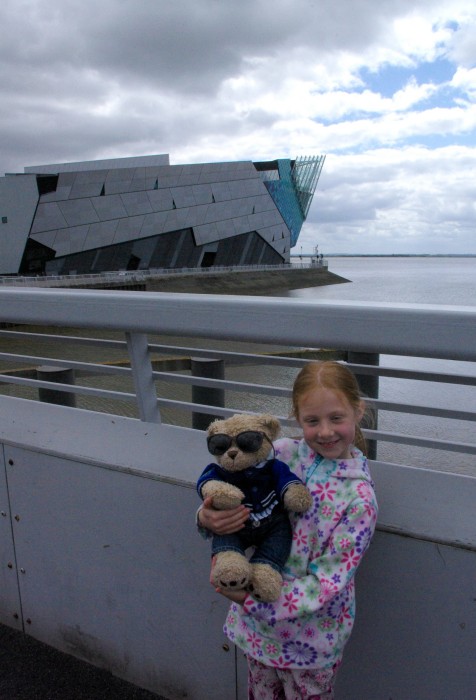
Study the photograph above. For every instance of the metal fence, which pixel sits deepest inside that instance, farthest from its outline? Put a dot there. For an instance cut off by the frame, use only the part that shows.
(141, 276)
(185, 359)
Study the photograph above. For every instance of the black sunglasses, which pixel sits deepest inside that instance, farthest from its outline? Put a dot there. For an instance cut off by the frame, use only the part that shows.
(248, 441)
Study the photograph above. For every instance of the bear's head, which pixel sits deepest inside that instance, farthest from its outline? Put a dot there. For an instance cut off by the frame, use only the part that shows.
(242, 441)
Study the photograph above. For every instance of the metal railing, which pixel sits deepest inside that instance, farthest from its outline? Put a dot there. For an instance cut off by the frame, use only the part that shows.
(140, 342)
(141, 276)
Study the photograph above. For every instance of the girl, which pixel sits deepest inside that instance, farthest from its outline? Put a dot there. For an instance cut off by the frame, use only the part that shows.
(295, 646)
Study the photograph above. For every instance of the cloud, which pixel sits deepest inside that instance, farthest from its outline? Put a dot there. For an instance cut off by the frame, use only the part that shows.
(385, 89)
(405, 201)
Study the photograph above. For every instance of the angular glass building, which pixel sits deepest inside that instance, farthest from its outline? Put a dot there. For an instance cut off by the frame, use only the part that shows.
(143, 213)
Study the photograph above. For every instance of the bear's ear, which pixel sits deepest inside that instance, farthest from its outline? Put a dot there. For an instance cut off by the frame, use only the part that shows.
(270, 425)
(213, 427)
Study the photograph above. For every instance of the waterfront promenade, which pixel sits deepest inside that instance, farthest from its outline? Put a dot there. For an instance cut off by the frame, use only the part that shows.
(30, 670)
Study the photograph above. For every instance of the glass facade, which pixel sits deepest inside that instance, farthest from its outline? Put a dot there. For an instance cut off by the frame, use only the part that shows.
(292, 185)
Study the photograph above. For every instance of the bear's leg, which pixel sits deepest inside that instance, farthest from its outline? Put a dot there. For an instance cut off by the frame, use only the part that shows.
(265, 584)
(231, 571)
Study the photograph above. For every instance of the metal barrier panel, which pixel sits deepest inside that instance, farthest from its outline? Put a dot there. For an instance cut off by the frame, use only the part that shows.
(414, 632)
(111, 568)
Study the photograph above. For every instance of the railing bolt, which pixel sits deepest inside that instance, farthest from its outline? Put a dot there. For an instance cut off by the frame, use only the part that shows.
(22, 570)
(4, 514)
(10, 565)
(226, 647)
(11, 462)
(17, 518)
(28, 621)
(15, 615)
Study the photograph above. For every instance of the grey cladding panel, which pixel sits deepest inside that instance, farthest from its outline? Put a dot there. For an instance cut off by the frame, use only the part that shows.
(136, 203)
(128, 229)
(60, 193)
(90, 176)
(48, 217)
(119, 175)
(78, 235)
(221, 191)
(205, 234)
(117, 187)
(109, 207)
(160, 200)
(46, 237)
(78, 211)
(86, 189)
(203, 194)
(183, 197)
(100, 234)
(197, 215)
(241, 224)
(153, 224)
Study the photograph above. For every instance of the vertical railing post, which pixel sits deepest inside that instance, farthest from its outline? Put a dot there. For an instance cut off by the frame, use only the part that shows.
(141, 367)
(369, 386)
(214, 369)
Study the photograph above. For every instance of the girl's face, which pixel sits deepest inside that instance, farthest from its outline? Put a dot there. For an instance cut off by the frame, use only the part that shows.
(328, 422)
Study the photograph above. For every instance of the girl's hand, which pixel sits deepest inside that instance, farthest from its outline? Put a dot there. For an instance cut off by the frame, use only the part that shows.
(222, 522)
(234, 596)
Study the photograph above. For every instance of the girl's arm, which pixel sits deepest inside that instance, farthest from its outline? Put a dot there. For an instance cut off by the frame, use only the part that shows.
(221, 522)
(329, 574)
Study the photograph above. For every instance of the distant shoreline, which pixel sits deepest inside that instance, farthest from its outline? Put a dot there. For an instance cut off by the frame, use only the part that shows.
(397, 255)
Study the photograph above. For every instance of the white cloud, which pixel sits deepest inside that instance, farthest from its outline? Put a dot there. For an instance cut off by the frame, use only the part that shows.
(412, 200)
(218, 80)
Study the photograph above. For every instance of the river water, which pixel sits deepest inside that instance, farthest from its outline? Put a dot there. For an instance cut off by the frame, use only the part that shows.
(425, 280)
(417, 280)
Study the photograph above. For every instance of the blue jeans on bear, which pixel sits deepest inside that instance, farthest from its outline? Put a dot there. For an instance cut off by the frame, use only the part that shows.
(271, 538)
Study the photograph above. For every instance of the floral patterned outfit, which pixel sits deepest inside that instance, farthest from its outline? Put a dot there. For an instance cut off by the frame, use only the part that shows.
(308, 627)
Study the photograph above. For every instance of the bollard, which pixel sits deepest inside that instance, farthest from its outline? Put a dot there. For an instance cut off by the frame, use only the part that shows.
(59, 375)
(212, 369)
(369, 386)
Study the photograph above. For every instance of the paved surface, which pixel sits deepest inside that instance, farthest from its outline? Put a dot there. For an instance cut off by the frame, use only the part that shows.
(30, 670)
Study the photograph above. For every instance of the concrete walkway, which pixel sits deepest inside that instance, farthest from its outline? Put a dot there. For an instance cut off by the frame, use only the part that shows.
(30, 670)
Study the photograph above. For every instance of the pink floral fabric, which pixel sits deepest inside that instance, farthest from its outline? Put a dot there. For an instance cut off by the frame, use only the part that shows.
(309, 625)
(266, 683)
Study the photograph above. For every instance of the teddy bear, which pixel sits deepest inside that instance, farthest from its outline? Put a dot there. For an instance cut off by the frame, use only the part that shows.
(247, 471)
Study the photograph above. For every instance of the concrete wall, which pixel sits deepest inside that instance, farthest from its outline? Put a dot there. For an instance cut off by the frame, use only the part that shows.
(246, 282)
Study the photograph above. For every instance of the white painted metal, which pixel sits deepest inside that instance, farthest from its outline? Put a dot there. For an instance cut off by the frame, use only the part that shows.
(402, 329)
(115, 573)
(143, 377)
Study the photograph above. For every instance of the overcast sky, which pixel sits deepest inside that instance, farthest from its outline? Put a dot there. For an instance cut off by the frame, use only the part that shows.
(384, 88)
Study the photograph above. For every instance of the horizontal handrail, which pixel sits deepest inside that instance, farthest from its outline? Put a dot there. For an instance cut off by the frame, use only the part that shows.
(401, 329)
